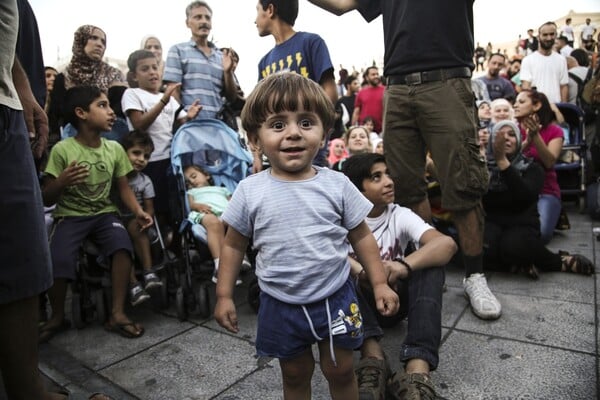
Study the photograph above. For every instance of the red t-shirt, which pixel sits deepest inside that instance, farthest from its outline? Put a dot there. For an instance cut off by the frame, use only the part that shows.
(370, 101)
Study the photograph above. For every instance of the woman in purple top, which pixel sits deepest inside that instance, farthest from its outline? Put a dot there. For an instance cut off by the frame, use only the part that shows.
(542, 141)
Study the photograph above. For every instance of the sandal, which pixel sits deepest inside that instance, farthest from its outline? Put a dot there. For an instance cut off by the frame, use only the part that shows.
(125, 329)
(576, 263)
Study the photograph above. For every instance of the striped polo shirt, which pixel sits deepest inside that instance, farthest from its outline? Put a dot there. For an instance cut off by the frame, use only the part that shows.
(201, 77)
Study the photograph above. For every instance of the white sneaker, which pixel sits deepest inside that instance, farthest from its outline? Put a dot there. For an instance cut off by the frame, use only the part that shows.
(483, 302)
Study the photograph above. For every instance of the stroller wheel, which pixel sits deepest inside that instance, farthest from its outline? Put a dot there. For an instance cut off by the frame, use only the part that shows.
(100, 305)
(180, 305)
(254, 295)
(203, 301)
(77, 311)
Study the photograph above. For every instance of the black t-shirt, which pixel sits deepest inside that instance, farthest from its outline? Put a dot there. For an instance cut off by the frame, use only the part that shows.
(423, 35)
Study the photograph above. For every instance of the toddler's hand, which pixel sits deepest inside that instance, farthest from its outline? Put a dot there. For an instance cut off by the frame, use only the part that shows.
(226, 315)
(386, 299)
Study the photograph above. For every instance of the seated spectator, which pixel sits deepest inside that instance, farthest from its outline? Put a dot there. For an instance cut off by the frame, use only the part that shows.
(512, 227)
(337, 151)
(369, 124)
(138, 147)
(542, 141)
(484, 135)
(357, 142)
(80, 174)
(378, 146)
(418, 284)
(484, 111)
(501, 110)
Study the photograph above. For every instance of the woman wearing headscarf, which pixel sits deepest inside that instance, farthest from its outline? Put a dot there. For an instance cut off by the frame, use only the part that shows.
(512, 227)
(85, 68)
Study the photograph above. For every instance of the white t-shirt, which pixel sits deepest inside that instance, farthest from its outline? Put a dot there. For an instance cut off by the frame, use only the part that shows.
(546, 73)
(394, 229)
(567, 31)
(587, 31)
(161, 130)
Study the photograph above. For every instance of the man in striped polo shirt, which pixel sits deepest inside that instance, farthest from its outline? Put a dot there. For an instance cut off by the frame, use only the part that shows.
(206, 73)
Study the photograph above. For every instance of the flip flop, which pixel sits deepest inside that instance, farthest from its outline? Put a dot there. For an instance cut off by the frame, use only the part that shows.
(121, 329)
(48, 332)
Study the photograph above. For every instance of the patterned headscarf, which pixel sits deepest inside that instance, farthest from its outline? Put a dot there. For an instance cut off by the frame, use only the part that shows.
(82, 70)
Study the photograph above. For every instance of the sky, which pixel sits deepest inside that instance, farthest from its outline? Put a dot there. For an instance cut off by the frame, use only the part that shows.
(351, 40)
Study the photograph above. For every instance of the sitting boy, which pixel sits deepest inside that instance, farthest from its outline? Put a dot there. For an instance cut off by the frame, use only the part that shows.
(139, 146)
(420, 286)
(78, 178)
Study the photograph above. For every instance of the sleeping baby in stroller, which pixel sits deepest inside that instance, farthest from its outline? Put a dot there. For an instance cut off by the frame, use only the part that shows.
(207, 202)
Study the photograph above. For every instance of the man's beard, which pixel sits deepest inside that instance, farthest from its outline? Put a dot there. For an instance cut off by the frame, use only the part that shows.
(547, 44)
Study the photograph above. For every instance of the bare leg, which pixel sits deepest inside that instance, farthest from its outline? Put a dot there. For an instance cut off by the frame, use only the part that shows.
(470, 230)
(342, 381)
(57, 294)
(141, 244)
(19, 351)
(120, 274)
(215, 233)
(297, 374)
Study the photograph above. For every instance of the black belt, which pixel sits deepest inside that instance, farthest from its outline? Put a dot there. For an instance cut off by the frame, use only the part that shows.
(417, 78)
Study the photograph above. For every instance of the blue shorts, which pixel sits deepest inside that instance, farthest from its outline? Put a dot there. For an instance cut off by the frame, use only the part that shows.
(68, 233)
(288, 330)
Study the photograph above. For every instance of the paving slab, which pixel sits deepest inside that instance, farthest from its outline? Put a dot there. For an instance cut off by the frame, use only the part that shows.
(475, 366)
(198, 364)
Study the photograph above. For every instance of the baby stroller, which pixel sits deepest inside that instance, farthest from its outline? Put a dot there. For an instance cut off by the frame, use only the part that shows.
(215, 147)
(571, 165)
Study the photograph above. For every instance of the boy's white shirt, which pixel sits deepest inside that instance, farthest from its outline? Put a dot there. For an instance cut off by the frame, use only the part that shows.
(161, 130)
(394, 229)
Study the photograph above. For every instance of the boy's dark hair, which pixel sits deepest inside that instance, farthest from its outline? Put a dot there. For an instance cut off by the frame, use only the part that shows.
(137, 138)
(358, 167)
(195, 4)
(286, 10)
(79, 97)
(137, 56)
(47, 67)
(285, 91)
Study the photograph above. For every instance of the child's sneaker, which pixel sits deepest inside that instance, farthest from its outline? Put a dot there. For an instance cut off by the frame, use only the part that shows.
(138, 294)
(151, 281)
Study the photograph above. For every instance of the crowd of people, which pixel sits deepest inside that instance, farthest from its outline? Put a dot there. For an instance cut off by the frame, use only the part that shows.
(358, 155)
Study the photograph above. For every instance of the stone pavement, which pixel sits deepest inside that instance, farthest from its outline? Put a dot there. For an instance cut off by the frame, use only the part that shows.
(545, 346)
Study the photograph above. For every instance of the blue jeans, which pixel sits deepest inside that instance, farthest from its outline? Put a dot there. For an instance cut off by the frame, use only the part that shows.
(421, 302)
(549, 207)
